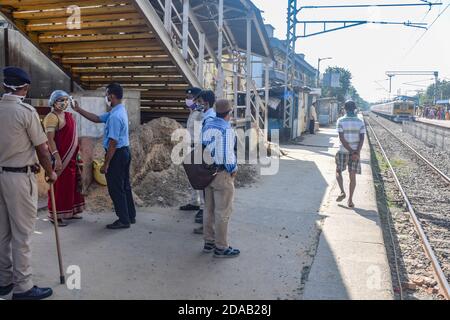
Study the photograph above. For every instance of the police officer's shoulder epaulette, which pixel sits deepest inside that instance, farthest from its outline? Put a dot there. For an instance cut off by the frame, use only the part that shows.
(27, 106)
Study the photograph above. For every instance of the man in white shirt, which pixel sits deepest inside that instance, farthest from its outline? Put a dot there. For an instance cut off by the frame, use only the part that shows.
(195, 117)
(351, 135)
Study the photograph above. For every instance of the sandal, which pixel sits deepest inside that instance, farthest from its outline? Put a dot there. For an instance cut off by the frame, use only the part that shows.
(61, 223)
(351, 205)
(75, 218)
(341, 197)
(226, 253)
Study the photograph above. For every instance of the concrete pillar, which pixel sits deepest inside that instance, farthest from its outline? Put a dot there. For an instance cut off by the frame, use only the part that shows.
(168, 16)
(248, 85)
(235, 84)
(220, 81)
(266, 99)
(185, 28)
(201, 58)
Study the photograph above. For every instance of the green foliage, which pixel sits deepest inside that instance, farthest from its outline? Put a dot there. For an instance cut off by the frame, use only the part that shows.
(443, 92)
(346, 90)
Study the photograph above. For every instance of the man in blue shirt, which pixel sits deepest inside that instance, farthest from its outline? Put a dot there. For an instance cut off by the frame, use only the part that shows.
(118, 156)
(219, 139)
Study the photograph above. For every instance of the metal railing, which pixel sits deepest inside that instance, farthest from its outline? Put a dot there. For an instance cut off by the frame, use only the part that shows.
(185, 33)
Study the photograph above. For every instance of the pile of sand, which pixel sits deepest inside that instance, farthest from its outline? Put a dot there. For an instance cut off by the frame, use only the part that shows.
(156, 181)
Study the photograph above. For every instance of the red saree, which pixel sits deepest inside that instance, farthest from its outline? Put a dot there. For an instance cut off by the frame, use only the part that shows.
(69, 201)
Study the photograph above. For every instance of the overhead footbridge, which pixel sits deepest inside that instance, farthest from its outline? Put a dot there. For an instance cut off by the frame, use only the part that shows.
(159, 47)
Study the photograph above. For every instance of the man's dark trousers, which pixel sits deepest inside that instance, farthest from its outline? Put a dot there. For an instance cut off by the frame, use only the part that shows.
(312, 125)
(119, 187)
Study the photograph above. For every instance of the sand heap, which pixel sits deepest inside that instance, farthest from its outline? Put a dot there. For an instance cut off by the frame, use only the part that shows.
(156, 181)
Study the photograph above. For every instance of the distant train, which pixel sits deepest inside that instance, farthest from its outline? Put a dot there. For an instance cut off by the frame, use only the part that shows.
(397, 111)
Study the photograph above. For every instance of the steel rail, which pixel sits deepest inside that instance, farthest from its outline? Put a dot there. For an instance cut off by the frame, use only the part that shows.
(444, 285)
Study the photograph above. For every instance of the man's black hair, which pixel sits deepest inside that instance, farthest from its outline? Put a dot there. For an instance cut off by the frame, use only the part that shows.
(350, 105)
(208, 96)
(115, 89)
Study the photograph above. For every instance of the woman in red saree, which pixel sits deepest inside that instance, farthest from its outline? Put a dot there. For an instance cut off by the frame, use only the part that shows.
(61, 130)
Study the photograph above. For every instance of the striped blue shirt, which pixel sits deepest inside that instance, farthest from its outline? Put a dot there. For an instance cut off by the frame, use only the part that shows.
(220, 140)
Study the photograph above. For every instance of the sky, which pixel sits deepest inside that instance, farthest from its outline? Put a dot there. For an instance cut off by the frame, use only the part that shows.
(368, 51)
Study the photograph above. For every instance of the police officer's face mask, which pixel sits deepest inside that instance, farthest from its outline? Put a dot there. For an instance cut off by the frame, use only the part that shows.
(14, 93)
(190, 103)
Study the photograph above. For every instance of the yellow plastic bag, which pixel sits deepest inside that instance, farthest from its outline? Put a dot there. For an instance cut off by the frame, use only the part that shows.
(98, 176)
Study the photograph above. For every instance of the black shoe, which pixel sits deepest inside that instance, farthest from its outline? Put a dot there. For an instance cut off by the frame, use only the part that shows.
(4, 291)
(133, 221)
(117, 225)
(34, 293)
(209, 247)
(199, 217)
(189, 207)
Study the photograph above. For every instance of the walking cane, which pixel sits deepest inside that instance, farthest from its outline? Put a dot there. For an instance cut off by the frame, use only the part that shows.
(62, 278)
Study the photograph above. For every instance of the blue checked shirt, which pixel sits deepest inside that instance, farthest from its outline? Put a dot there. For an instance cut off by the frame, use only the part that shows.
(220, 140)
(209, 114)
(116, 126)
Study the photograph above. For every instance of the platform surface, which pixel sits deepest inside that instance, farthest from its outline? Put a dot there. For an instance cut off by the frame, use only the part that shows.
(276, 224)
(440, 123)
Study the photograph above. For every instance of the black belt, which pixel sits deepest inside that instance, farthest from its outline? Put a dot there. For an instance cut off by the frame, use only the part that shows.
(17, 170)
(119, 149)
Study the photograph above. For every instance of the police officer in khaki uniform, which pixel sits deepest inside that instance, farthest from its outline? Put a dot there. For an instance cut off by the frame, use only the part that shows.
(21, 138)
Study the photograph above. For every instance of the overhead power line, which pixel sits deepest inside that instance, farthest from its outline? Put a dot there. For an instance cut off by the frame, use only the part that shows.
(425, 32)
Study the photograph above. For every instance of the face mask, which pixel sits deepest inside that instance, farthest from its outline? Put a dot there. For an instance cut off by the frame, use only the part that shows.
(189, 103)
(63, 105)
(108, 103)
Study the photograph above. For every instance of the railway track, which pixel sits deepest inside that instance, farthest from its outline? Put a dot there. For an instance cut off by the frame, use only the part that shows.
(429, 213)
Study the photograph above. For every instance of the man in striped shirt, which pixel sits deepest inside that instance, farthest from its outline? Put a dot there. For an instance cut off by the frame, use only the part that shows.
(351, 135)
(219, 139)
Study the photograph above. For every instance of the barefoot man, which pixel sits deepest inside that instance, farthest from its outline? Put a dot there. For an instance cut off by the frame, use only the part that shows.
(351, 135)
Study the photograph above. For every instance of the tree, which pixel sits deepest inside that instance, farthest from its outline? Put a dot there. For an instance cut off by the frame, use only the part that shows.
(443, 92)
(346, 90)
